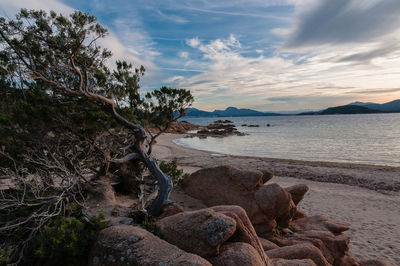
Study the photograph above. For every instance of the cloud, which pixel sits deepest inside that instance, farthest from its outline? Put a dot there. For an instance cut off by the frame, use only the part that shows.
(383, 50)
(346, 21)
(184, 55)
(194, 42)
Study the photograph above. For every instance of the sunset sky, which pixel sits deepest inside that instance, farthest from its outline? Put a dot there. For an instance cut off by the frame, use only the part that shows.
(268, 55)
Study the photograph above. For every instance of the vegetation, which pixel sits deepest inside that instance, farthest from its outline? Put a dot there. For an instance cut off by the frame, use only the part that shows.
(172, 170)
(64, 116)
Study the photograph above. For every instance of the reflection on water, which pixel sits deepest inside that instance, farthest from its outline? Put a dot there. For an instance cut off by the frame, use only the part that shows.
(369, 138)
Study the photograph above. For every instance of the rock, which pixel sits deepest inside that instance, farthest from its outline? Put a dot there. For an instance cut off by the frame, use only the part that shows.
(320, 223)
(224, 186)
(299, 251)
(275, 203)
(237, 253)
(267, 245)
(132, 245)
(284, 262)
(201, 232)
(266, 205)
(347, 261)
(297, 192)
(171, 209)
(244, 229)
(267, 175)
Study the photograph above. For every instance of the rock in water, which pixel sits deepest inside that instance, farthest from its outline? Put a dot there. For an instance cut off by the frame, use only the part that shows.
(132, 245)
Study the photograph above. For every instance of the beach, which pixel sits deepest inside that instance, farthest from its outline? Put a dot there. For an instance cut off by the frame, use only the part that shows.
(366, 196)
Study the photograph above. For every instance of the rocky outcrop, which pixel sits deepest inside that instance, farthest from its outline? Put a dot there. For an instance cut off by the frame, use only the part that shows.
(267, 206)
(287, 232)
(299, 251)
(201, 232)
(237, 253)
(245, 232)
(132, 245)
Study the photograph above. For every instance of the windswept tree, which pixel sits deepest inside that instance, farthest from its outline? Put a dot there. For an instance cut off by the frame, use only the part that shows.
(58, 57)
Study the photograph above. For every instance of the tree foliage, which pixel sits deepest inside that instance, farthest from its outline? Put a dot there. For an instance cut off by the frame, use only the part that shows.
(57, 95)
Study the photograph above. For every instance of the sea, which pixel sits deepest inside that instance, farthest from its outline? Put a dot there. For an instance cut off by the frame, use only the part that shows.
(359, 138)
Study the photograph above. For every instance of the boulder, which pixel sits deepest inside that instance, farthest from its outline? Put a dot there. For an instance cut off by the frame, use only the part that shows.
(299, 251)
(267, 175)
(244, 229)
(237, 253)
(267, 206)
(132, 245)
(201, 232)
(267, 245)
(276, 203)
(320, 223)
(226, 185)
(297, 192)
(171, 209)
(284, 262)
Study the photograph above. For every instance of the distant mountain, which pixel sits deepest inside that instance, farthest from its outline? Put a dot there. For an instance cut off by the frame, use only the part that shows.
(349, 109)
(360, 108)
(393, 106)
(228, 112)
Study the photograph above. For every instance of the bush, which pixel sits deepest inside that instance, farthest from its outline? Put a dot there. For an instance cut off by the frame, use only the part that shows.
(67, 241)
(172, 170)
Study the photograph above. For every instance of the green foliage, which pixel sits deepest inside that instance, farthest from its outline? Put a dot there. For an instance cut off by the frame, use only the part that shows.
(172, 170)
(163, 105)
(5, 255)
(67, 240)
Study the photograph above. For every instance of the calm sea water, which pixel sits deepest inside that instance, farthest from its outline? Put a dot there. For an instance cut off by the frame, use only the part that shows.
(367, 138)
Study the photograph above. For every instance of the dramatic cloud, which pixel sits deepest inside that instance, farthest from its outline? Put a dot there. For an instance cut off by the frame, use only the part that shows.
(346, 21)
(270, 55)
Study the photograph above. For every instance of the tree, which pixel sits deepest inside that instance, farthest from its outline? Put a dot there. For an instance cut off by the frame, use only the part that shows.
(59, 56)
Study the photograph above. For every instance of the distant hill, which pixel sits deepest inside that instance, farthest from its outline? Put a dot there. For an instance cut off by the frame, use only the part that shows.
(360, 108)
(393, 106)
(349, 109)
(228, 112)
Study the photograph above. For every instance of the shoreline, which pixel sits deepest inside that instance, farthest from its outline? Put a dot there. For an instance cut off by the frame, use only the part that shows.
(385, 179)
(372, 212)
(294, 161)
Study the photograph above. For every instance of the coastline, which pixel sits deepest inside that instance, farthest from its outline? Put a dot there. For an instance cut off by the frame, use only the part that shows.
(340, 191)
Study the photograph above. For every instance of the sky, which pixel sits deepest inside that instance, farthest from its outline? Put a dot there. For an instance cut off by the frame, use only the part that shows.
(267, 55)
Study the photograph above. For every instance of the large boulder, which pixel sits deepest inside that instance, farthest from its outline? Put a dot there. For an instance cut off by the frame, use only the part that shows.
(201, 232)
(237, 253)
(244, 229)
(267, 206)
(299, 251)
(132, 245)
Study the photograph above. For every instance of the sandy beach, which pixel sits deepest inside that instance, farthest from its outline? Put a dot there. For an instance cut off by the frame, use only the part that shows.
(366, 196)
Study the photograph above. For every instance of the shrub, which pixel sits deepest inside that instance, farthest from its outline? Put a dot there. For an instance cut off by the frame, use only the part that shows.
(67, 241)
(172, 170)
